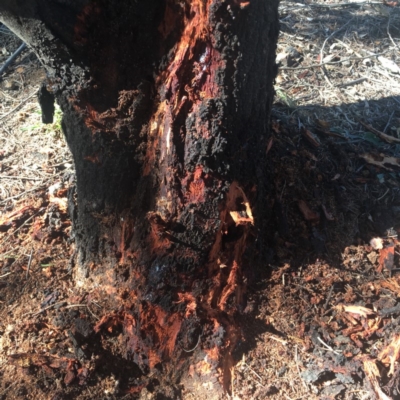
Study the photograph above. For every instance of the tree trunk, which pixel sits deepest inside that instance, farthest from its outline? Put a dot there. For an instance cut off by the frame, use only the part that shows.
(166, 109)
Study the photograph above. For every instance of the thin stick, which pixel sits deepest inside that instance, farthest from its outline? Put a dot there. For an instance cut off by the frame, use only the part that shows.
(380, 198)
(390, 36)
(194, 348)
(4, 275)
(327, 346)
(296, 358)
(321, 54)
(328, 297)
(389, 121)
(18, 106)
(20, 227)
(91, 312)
(334, 62)
(61, 303)
(355, 82)
(26, 191)
(9, 387)
(75, 305)
(353, 4)
(254, 372)
(233, 381)
(95, 303)
(50, 176)
(381, 135)
(284, 342)
(29, 264)
(20, 177)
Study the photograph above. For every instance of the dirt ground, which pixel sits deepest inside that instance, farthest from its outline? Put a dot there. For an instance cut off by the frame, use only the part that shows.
(323, 317)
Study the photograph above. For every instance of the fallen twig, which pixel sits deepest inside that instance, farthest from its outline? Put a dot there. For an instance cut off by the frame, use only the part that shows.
(298, 368)
(388, 32)
(321, 54)
(29, 264)
(20, 178)
(333, 62)
(355, 82)
(344, 5)
(255, 373)
(26, 191)
(327, 347)
(388, 123)
(328, 297)
(18, 106)
(21, 226)
(284, 342)
(33, 313)
(381, 135)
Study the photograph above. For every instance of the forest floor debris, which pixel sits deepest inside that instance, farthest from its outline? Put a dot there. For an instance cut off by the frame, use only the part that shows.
(322, 320)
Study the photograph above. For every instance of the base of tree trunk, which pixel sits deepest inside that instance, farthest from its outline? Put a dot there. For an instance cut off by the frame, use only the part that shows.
(166, 110)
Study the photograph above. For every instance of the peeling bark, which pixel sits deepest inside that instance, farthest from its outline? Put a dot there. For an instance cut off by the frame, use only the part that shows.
(166, 109)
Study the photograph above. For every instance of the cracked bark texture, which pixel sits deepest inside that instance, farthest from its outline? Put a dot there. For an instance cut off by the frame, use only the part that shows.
(166, 110)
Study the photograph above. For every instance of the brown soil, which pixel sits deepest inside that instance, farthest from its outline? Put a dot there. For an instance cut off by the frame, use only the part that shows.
(322, 319)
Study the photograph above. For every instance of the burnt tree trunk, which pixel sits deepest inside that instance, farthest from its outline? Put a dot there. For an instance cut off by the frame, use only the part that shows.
(166, 109)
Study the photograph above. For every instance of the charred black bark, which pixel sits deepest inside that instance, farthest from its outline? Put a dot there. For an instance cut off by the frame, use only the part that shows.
(166, 110)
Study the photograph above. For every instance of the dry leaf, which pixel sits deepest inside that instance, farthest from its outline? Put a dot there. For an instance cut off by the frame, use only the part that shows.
(390, 354)
(303, 74)
(376, 243)
(328, 58)
(392, 285)
(358, 310)
(69, 377)
(380, 160)
(270, 143)
(310, 137)
(276, 126)
(308, 214)
(389, 64)
(323, 124)
(372, 257)
(386, 258)
(327, 214)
